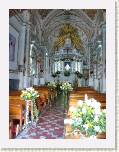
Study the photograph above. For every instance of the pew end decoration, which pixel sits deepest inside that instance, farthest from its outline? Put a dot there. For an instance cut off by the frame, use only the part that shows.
(29, 95)
(88, 118)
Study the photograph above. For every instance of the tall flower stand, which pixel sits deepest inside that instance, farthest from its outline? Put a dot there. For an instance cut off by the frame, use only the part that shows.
(27, 112)
(32, 112)
(30, 106)
(65, 97)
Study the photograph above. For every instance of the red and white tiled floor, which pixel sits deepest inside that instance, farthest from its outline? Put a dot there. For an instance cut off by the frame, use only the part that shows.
(49, 126)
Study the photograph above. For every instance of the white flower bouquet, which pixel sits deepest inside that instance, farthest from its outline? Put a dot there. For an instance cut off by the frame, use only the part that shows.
(88, 117)
(29, 94)
(66, 86)
(52, 85)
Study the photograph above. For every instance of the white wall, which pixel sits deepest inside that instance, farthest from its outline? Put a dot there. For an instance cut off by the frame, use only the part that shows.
(16, 28)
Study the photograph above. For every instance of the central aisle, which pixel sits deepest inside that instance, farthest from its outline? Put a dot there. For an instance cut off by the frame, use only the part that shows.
(50, 124)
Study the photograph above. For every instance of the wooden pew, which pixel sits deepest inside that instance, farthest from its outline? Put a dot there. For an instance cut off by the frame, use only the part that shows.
(42, 90)
(41, 102)
(16, 112)
(74, 102)
(43, 93)
(16, 108)
(79, 94)
(99, 99)
(15, 93)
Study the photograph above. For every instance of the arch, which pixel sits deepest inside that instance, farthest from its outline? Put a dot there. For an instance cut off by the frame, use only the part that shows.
(60, 12)
(56, 18)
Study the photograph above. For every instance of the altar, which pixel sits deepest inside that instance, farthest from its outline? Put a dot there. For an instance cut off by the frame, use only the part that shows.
(67, 62)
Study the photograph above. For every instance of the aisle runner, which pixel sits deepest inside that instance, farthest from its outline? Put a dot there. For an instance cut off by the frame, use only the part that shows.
(50, 126)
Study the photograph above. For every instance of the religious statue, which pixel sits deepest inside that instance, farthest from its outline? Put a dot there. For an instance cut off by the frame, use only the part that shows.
(67, 67)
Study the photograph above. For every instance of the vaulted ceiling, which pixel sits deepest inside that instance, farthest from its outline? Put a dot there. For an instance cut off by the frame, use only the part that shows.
(91, 13)
(44, 12)
(51, 22)
(13, 12)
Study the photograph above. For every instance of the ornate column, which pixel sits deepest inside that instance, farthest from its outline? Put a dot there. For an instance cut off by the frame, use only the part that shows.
(46, 65)
(46, 61)
(31, 63)
(21, 55)
(21, 76)
(27, 50)
(89, 62)
(95, 77)
(104, 58)
(36, 79)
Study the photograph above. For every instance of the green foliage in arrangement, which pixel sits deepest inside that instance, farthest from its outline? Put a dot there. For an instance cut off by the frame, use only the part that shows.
(88, 117)
(29, 94)
(66, 86)
(60, 86)
(52, 85)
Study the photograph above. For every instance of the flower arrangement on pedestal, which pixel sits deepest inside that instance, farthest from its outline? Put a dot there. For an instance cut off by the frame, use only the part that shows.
(88, 118)
(30, 95)
(66, 86)
(52, 85)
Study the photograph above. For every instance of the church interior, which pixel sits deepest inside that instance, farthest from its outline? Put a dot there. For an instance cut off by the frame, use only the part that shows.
(57, 73)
